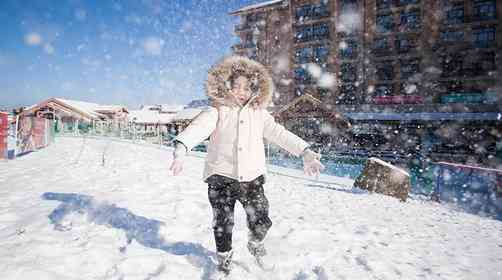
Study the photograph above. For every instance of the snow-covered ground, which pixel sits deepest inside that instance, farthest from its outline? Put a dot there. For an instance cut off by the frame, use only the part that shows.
(63, 215)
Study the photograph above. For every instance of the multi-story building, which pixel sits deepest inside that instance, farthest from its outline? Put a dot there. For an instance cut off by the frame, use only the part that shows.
(410, 75)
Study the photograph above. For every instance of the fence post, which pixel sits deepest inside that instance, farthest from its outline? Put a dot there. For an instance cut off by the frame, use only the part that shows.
(436, 194)
(268, 151)
(46, 133)
(15, 137)
(160, 137)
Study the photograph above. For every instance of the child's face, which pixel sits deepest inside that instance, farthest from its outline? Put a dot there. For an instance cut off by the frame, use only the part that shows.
(241, 89)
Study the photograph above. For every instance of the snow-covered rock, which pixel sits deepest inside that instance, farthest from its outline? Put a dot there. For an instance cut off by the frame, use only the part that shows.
(382, 177)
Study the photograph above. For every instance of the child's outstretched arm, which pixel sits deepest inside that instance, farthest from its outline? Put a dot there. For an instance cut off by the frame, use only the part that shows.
(200, 128)
(276, 133)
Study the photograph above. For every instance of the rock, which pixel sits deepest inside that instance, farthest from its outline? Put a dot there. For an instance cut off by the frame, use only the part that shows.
(384, 178)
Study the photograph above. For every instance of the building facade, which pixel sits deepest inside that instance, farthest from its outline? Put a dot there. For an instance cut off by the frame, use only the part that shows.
(404, 72)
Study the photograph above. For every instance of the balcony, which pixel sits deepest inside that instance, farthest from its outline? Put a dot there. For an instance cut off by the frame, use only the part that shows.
(243, 46)
(473, 97)
(312, 33)
(473, 72)
(381, 52)
(311, 13)
(249, 26)
(485, 44)
(398, 99)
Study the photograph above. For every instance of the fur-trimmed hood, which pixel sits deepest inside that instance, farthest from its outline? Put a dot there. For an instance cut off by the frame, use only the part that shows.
(218, 87)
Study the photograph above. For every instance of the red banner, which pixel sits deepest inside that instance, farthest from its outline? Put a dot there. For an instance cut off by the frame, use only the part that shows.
(30, 134)
(398, 99)
(4, 132)
(39, 132)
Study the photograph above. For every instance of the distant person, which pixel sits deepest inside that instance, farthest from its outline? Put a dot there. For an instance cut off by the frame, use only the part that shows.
(237, 122)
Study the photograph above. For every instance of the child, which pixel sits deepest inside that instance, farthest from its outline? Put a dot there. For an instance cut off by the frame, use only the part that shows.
(239, 90)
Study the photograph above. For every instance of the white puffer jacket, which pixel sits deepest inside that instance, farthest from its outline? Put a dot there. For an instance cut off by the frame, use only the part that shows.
(236, 148)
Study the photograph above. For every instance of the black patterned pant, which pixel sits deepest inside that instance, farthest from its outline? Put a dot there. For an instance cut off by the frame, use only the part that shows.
(223, 192)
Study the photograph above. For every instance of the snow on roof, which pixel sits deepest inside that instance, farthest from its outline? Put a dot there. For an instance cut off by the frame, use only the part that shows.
(110, 108)
(257, 6)
(171, 107)
(188, 113)
(149, 117)
(153, 116)
(73, 105)
(86, 107)
(92, 109)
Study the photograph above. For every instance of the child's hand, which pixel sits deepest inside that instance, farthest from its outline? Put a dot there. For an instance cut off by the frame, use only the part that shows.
(311, 164)
(178, 157)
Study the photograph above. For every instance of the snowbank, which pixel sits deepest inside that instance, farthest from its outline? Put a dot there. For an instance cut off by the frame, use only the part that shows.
(63, 215)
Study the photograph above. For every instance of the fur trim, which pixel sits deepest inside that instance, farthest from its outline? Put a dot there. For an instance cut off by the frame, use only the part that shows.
(218, 86)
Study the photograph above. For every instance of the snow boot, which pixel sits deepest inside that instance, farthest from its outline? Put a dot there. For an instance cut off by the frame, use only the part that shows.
(257, 249)
(224, 261)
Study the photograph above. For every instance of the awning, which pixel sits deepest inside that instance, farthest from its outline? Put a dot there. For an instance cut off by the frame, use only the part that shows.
(491, 116)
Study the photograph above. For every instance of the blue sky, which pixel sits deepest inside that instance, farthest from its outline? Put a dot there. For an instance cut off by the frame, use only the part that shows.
(129, 52)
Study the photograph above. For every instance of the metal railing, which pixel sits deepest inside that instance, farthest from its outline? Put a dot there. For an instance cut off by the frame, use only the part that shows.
(472, 189)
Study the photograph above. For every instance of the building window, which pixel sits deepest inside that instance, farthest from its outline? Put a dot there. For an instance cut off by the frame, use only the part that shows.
(253, 55)
(323, 92)
(409, 68)
(487, 61)
(484, 9)
(383, 4)
(381, 43)
(384, 23)
(348, 48)
(451, 36)
(312, 32)
(451, 65)
(385, 71)
(381, 46)
(348, 72)
(407, 2)
(383, 90)
(484, 63)
(254, 18)
(405, 44)
(321, 54)
(308, 12)
(277, 41)
(484, 36)
(410, 20)
(347, 4)
(303, 55)
(304, 34)
(347, 94)
(455, 14)
(321, 10)
(302, 76)
(321, 31)
(304, 12)
(249, 41)
(317, 54)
